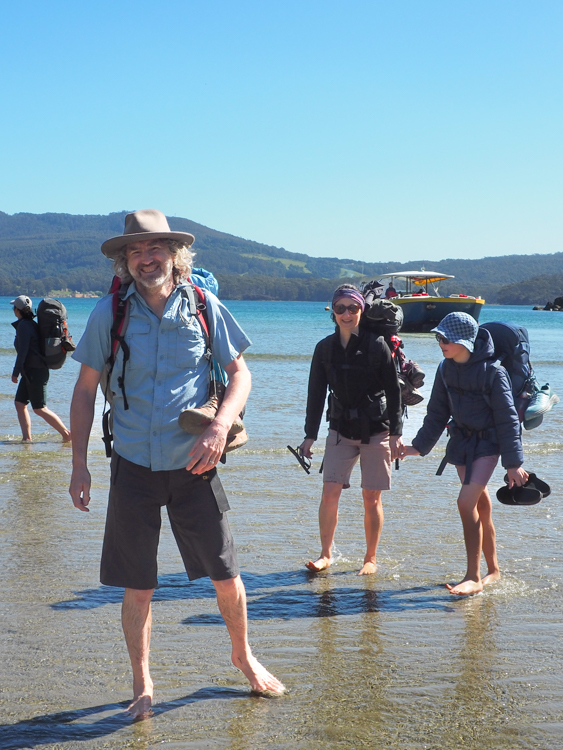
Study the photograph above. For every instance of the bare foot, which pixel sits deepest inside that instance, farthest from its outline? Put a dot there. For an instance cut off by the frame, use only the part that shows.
(491, 577)
(321, 564)
(27, 440)
(465, 587)
(261, 681)
(140, 708)
(369, 568)
(67, 437)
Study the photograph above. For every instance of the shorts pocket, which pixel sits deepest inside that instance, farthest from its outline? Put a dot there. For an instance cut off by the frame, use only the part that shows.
(218, 492)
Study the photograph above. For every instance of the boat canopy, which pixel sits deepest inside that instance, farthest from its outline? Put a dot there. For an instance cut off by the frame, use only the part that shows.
(421, 278)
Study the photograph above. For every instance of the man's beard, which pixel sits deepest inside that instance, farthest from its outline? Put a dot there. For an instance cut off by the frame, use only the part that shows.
(154, 282)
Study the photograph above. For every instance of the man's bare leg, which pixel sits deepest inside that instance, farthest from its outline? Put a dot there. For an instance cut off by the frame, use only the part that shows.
(485, 510)
(136, 619)
(54, 421)
(231, 599)
(328, 519)
(373, 523)
(473, 535)
(24, 420)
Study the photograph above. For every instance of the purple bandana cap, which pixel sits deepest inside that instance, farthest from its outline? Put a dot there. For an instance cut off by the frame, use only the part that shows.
(352, 294)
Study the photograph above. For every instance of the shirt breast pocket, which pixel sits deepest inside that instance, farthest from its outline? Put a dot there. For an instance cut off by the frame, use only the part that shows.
(137, 338)
(190, 346)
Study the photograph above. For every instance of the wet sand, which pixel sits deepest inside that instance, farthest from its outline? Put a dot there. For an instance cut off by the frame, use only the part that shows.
(385, 661)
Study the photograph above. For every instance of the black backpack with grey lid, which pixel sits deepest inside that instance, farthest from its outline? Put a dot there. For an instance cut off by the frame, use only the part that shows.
(54, 339)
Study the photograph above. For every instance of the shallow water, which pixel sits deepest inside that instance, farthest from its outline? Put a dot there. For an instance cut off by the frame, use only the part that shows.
(390, 661)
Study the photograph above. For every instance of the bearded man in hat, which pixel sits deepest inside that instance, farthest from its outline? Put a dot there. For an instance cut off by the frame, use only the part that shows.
(154, 462)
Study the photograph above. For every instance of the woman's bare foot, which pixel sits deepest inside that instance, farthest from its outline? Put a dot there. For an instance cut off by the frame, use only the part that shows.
(140, 708)
(465, 587)
(492, 577)
(369, 568)
(321, 564)
(261, 681)
(67, 437)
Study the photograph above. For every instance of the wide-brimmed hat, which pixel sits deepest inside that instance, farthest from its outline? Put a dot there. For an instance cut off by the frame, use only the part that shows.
(22, 302)
(459, 328)
(147, 224)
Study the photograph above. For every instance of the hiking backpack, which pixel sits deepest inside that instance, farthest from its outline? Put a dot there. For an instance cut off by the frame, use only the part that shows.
(54, 339)
(512, 351)
(383, 318)
(120, 316)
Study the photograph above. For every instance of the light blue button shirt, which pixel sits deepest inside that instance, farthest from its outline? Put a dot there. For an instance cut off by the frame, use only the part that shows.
(167, 372)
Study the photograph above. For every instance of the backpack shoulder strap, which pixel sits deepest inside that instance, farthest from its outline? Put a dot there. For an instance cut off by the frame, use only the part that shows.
(120, 313)
(490, 375)
(197, 306)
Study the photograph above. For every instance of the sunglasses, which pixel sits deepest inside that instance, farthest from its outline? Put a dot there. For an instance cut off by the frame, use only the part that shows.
(341, 309)
(442, 339)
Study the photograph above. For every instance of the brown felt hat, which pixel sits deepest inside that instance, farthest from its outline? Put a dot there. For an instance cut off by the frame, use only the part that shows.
(147, 224)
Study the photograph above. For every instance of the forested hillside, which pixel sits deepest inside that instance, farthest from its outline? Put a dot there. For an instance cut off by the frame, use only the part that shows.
(42, 252)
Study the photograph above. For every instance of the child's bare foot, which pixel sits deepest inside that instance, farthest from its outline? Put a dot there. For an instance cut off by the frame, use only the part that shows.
(465, 587)
(321, 564)
(67, 437)
(492, 577)
(368, 569)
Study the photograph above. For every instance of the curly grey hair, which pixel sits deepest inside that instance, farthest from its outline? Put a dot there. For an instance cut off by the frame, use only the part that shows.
(182, 258)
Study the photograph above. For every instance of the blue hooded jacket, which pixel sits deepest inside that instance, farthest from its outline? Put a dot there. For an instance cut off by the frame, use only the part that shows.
(481, 417)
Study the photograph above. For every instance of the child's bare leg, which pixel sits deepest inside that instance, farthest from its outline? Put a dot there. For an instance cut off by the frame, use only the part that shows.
(485, 510)
(54, 421)
(373, 523)
(24, 420)
(473, 535)
(328, 519)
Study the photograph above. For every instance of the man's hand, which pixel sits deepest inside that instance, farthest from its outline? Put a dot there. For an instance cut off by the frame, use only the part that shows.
(79, 489)
(517, 477)
(14, 378)
(397, 447)
(208, 448)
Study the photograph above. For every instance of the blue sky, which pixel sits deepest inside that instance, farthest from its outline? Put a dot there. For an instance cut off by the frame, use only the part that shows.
(399, 129)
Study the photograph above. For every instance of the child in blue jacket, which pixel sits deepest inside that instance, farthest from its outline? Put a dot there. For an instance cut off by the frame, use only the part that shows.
(478, 408)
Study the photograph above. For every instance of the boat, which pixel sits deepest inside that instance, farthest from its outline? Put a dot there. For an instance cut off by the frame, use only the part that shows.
(424, 309)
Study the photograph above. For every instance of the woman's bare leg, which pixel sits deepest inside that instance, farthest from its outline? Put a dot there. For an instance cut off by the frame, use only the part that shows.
(328, 520)
(373, 523)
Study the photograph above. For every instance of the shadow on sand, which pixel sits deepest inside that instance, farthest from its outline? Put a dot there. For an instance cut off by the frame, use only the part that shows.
(66, 726)
(301, 601)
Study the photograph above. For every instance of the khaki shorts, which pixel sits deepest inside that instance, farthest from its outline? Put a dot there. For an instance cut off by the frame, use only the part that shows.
(341, 455)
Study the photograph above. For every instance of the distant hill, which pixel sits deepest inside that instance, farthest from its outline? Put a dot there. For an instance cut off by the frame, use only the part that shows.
(535, 291)
(41, 252)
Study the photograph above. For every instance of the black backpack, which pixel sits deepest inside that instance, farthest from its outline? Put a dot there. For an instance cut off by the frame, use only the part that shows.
(54, 339)
(383, 318)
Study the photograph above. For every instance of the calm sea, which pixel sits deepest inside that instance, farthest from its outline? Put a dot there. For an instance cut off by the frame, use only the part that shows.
(390, 661)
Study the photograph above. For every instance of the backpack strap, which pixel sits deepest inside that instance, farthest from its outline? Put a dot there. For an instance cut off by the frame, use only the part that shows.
(120, 310)
(199, 309)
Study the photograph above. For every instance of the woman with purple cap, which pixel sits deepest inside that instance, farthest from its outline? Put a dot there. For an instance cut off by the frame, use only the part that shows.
(365, 420)
(483, 427)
